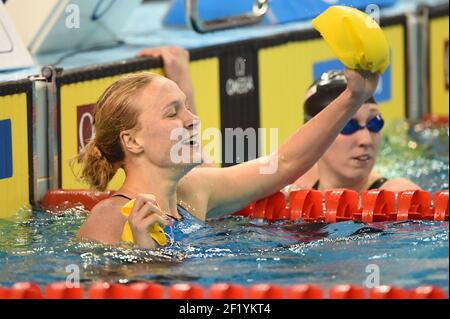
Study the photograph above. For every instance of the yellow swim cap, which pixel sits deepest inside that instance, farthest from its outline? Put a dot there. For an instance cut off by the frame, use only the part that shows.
(156, 230)
(355, 38)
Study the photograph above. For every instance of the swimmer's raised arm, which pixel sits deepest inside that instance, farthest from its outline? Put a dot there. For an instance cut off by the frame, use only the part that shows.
(229, 189)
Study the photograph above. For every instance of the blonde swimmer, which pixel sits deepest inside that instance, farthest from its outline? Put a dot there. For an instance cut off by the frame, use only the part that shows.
(133, 121)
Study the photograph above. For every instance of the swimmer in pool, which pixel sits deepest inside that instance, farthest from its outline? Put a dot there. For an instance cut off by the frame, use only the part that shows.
(133, 122)
(349, 161)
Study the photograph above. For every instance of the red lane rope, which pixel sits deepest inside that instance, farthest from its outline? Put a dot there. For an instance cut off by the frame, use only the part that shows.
(148, 290)
(307, 205)
(343, 205)
(61, 199)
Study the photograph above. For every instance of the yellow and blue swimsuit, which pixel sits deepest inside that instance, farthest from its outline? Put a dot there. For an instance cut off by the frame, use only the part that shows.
(185, 225)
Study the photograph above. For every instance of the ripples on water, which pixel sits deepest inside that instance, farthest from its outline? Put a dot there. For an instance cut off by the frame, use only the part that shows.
(419, 152)
(232, 249)
(39, 246)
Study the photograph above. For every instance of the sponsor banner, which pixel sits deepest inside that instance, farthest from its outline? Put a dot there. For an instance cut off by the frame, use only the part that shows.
(439, 98)
(239, 96)
(205, 78)
(6, 163)
(85, 121)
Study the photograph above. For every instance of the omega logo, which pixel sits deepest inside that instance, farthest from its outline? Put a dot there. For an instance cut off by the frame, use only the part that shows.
(241, 84)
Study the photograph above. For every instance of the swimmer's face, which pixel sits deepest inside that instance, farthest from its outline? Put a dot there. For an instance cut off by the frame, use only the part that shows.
(351, 158)
(164, 117)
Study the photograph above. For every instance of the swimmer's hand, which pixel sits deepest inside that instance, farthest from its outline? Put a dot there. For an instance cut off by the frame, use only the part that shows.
(176, 67)
(176, 63)
(144, 214)
(361, 84)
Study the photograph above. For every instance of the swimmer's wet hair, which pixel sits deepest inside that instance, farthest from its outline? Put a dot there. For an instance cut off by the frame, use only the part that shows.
(115, 111)
(323, 91)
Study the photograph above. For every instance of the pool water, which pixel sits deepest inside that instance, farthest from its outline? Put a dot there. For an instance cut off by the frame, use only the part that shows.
(419, 151)
(233, 250)
(38, 246)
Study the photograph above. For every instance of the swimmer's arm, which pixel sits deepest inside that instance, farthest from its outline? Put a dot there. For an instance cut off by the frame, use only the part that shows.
(400, 184)
(232, 188)
(214, 192)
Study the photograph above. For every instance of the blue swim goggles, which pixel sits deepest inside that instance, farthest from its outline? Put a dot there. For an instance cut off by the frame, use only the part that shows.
(374, 125)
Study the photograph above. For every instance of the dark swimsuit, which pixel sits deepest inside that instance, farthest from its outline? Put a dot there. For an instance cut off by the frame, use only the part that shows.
(375, 185)
(180, 208)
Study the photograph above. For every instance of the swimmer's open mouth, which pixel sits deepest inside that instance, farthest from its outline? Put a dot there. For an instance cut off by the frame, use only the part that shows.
(192, 141)
(363, 158)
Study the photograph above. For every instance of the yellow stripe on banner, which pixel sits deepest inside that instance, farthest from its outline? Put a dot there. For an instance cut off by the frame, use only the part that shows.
(206, 81)
(286, 72)
(438, 59)
(72, 96)
(395, 108)
(283, 80)
(14, 190)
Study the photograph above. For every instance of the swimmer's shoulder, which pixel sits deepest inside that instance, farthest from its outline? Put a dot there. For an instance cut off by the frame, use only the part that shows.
(105, 222)
(194, 190)
(399, 184)
(309, 179)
